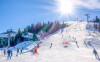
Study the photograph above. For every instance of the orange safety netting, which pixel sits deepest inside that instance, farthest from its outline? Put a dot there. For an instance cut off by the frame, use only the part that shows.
(66, 43)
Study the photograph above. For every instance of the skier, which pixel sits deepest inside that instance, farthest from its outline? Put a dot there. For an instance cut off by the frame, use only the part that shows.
(62, 30)
(35, 51)
(85, 43)
(96, 53)
(38, 45)
(21, 50)
(50, 45)
(9, 54)
(89, 43)
(4, 52)
(17, 51)
(77, 44)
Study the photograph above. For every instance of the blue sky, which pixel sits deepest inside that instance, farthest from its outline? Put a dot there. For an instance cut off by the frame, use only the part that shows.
(20, 13)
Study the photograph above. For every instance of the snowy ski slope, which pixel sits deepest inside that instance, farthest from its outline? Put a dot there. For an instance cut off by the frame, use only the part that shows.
(57, 53)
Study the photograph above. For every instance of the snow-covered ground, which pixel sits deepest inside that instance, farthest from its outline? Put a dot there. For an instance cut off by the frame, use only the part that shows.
(57, 53)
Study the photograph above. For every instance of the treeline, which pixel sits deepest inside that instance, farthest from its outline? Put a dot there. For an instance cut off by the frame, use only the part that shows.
(42, 29)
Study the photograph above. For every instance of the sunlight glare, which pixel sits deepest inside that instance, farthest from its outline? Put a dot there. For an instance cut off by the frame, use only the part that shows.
(65, 7)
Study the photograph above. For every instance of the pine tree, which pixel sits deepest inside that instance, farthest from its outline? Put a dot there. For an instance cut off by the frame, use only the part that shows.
(32, 28)
(18, 36)
(35, 37)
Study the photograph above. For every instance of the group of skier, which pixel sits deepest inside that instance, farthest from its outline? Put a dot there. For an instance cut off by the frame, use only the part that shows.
(94, 50)
(9, 52)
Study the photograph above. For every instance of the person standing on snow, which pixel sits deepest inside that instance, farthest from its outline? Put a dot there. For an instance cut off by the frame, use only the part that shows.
(21, 50)
(96, 53)
(9, 54)
(17, 51)
(38, 45)
(35, 50)
(77, 44)
(89, 43)
(4, 52)
(50, 45)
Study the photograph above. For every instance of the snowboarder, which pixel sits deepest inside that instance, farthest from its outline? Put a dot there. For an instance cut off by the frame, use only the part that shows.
(50, 45)
(9, 54)
(96, 53)
(17, 51)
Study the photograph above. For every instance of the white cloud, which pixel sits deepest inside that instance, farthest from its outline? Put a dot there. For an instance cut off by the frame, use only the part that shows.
(91, 4)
